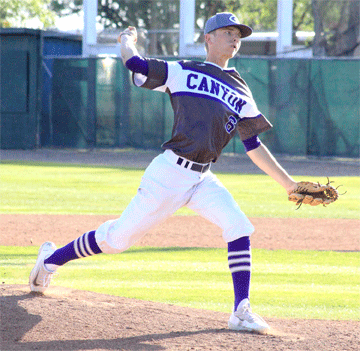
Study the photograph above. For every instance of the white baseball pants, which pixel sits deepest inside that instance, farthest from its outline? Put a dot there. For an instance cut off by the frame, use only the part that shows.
(165, 187)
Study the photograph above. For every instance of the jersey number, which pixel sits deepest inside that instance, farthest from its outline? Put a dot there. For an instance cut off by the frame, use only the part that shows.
(231, 124)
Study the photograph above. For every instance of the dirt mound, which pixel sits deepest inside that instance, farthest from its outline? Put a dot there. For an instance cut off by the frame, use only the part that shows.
(66, 319)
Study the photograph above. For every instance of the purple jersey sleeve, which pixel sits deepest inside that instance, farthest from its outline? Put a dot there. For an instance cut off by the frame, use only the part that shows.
(137, 64)
(252, 143)
(157, 74)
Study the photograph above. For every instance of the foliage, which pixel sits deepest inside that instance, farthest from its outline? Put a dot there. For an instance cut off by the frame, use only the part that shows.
(66, 7)
(336, 22)
(16, 13)
(302, 16)
(259, 15)
(337, 27)
(150, 14)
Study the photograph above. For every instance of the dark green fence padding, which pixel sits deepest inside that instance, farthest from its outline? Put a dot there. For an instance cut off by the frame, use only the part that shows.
(313, 104)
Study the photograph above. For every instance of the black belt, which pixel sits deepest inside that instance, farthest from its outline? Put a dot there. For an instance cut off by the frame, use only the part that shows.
(194, 167)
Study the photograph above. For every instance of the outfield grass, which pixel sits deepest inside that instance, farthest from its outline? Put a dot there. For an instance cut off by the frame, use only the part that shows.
(296, 284)
(72, 189)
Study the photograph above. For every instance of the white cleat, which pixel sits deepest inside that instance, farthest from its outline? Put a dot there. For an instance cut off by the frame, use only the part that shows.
(244, 319)
(40, 277)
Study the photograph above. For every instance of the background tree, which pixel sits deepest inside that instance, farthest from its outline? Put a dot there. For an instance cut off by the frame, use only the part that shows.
(16, 13)
(66, 7)
(337, 27)
(153, 15)
(335, 22)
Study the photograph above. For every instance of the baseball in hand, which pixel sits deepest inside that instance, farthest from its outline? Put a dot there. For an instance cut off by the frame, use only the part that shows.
(129, 32)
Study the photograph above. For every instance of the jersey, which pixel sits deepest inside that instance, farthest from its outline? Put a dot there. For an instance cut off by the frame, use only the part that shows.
(210, 106)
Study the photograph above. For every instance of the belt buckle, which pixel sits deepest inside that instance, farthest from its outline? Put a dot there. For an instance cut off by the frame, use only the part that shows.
(205, 168)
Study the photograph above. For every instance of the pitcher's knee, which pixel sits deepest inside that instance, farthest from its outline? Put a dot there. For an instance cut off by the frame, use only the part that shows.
(239, 230)
(110, 248)
(111, 239)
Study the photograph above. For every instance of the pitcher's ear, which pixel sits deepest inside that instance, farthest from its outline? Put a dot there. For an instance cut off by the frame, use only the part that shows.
(208, 37)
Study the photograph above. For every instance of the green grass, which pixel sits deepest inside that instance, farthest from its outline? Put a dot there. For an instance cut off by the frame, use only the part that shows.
(296, 284)
(71, 189)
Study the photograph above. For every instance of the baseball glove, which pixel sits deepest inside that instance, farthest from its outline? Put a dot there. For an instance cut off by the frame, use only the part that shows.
(314, 194)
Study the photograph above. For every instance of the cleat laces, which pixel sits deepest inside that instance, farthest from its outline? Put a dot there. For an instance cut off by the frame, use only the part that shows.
(45, 277)
(248, 315)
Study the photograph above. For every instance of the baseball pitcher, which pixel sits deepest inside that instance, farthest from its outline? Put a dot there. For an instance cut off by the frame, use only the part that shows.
(211, 103)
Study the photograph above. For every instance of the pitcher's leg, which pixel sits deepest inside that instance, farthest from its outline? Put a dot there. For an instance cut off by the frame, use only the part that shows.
(215, 203)
(50, 258)
(239, 260)
(142, 213)
(163, 190)
(145, 211)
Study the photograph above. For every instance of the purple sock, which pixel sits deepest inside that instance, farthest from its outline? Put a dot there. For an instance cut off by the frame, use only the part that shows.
(239, 259)
(84, 246)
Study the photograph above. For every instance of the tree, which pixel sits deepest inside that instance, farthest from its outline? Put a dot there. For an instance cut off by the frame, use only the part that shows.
(66, 7)
(16, 13)
(261, 15)
(152, 15)
(337, 27)
(336, 23)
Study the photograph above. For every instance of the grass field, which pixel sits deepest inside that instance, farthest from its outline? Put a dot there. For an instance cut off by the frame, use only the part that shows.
(70, 189)
(299, 284)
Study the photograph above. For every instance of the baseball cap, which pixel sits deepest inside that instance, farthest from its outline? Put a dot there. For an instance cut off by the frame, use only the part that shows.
(226, 19)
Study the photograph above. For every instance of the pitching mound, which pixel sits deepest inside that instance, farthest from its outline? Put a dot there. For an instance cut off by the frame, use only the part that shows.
(66, 319)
